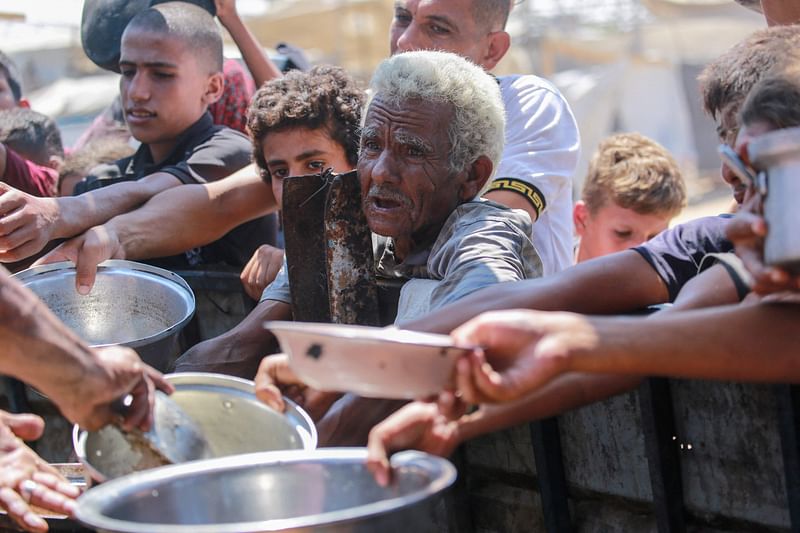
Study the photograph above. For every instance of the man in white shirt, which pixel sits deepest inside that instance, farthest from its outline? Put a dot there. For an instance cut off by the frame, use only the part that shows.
(541, 143)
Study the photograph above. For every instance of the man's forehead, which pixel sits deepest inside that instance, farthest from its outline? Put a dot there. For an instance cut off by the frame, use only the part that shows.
(407, 112)
(450, 9)
(153, 46)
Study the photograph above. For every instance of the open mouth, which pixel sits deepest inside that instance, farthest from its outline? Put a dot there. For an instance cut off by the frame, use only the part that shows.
(139, 114)
(387, 203)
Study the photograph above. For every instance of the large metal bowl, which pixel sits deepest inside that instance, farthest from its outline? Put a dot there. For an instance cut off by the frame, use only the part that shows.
(132, 304)
(322, 490)
(229, 415)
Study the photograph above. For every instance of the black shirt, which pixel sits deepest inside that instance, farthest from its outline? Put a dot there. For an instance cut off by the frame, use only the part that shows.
(676, 254)
(204, 152)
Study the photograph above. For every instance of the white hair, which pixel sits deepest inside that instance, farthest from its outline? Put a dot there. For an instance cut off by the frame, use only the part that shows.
(478, 125)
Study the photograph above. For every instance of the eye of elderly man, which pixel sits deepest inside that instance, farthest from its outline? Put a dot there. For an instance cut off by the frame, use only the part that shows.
(408, 184)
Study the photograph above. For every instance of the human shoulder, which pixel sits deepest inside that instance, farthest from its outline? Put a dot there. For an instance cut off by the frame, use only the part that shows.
(522, 92)
(481, 213)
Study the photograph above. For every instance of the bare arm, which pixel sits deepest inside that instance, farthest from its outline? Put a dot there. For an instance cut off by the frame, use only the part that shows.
(711, 288)
(261, 67)
(614, 283)
(186, 217)
(193, 216)
(527, 350)
(28, 223)
(737, 343)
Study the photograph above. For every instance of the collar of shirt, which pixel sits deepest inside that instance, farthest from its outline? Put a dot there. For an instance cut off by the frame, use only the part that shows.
(141, 164)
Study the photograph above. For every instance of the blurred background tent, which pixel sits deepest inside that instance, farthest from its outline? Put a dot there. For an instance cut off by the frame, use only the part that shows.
(624, 65)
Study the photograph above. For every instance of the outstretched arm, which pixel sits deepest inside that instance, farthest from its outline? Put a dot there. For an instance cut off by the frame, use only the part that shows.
(615, 283)
(185, 217)
(28, 223)
(526, 350)
(261, 67)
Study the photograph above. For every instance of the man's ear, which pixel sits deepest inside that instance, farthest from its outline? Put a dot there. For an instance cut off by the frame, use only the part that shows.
(214, 88)
(580, 216)
(498, 45)
(477, 175)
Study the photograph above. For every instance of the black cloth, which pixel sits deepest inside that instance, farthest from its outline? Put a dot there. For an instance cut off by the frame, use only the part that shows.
(204, 152)
(677, 253)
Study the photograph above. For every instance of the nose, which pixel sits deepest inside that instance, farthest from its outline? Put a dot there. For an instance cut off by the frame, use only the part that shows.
(138, 88)
(384, 170)
(408, 40)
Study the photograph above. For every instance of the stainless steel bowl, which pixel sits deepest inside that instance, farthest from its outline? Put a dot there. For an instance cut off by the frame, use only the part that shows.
(229, 415)
(132, 304)
(322, 490)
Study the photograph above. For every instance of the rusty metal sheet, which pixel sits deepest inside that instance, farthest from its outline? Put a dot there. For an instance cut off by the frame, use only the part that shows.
(352, 291)
(303, 212)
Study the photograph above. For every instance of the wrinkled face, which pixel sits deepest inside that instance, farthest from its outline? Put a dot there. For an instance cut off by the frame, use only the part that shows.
(6, 96)
(164, 88)
(613, 228)
(301, 151)
(446, 25)
(407, 187)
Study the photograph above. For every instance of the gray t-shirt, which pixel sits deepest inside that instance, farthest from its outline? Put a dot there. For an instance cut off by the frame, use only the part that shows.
(481, 243)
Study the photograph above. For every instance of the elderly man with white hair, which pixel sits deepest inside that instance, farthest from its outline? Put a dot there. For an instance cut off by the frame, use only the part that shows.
(431, 136)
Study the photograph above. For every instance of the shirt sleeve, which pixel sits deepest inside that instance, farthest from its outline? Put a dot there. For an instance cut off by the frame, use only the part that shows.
(29, 177)
(222, 154)
(279, 288)
(542, 143)
(676, 254)
(480, 253)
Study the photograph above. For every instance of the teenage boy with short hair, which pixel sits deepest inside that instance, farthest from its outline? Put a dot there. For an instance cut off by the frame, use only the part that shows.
(171, 60)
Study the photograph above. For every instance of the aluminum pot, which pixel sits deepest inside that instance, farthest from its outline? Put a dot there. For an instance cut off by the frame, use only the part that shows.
(231, 418)
(777, 155)
(322, 490)
(131, 304)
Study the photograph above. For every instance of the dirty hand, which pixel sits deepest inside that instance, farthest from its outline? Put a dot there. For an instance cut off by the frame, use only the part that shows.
(27, 223)
(25, 478)
(261, 270)
(275, 378)
(419, 426)
(747, 231)
(520, 350)
(87, 251)
(115, 372)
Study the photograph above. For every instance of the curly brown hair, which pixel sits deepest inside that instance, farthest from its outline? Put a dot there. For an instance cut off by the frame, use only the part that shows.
(324, 97)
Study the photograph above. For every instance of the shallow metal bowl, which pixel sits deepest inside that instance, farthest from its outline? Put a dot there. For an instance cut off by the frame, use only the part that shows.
(132, 304)
(327, 489)
(230, 417)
